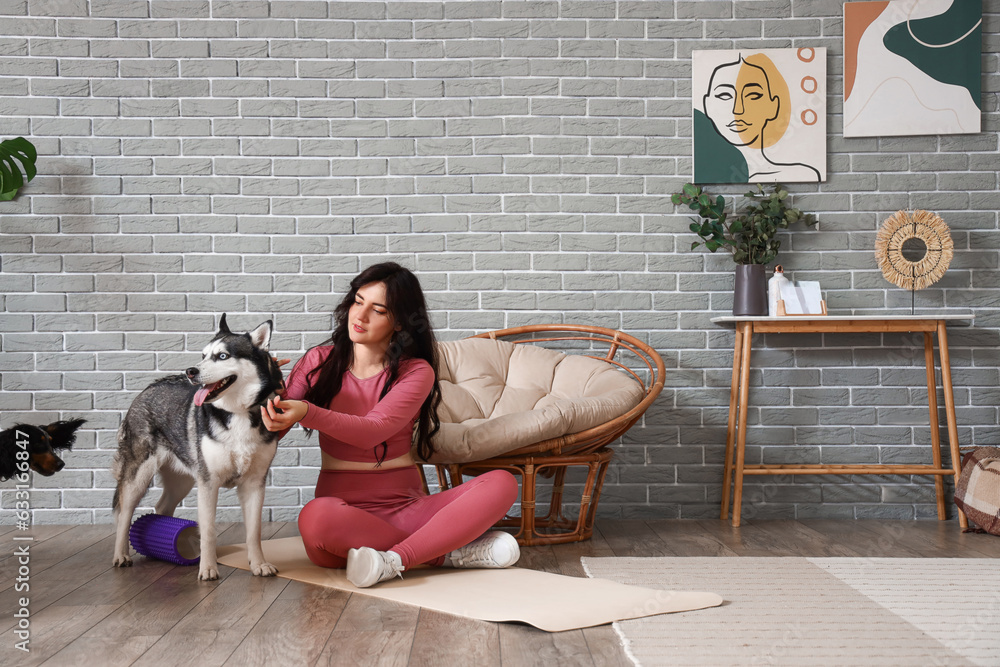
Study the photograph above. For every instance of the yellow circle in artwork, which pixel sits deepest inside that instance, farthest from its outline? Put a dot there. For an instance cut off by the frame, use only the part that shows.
(903, 226)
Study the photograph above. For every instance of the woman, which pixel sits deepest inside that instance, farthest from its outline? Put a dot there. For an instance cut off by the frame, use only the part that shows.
(364, 390)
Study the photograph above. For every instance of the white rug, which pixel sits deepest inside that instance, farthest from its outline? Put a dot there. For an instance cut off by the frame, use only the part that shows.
(817, 611)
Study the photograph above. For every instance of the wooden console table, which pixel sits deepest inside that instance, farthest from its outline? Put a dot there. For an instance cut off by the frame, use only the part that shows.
(736, 434)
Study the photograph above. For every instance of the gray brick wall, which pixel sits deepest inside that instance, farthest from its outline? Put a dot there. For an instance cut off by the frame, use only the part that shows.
(249, 157)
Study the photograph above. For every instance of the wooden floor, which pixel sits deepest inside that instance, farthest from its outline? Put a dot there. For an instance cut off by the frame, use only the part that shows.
(84, 612)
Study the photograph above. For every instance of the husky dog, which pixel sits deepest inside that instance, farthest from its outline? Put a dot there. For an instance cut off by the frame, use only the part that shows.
(204, 425)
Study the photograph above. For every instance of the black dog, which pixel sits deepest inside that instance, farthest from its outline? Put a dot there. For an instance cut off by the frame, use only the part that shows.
(35, 445)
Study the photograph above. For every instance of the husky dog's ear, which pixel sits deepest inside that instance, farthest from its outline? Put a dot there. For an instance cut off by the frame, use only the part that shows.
(223, 327)
(261, 336)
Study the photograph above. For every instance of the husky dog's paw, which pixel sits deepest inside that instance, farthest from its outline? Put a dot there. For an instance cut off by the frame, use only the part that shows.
(264, 569)
(122, 561)
(208, 573)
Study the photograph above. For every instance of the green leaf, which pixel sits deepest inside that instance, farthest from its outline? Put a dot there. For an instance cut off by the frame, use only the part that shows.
(749, 235)
(16, 155)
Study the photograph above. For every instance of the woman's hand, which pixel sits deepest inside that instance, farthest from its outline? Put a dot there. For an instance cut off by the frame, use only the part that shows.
(280, 415)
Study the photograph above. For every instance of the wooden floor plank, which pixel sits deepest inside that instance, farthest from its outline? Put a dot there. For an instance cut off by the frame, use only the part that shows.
(294, 629)
(988, 545)
(605, 647)
(541, 558)
(55, 627)
(443, 639)
(161, 594)
(723, 532)
(686, 538)
(633, 537)
(57, 547)
(212, 630)
(368, 627)
(286, 529)
(804, 540)
(526, 646)
(364, 612)
(867, 538)
(568, 555)
(60, 579)
(941, 539)
(124, 635)
(210, 633)
(78, 612)
(385, 648)
(38, 533)
(751, 539)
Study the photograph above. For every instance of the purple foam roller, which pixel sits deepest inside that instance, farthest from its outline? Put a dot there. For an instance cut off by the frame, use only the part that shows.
(166, 538)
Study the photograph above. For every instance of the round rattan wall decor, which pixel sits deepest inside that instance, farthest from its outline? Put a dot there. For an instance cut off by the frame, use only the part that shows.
(914, 249)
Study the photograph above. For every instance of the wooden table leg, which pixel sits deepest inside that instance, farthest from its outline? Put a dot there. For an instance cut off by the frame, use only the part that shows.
(949, 404)
(935, 427)
(741, 433)
(727, 476)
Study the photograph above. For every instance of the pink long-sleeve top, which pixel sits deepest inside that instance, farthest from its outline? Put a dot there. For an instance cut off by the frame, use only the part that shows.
(356, 422)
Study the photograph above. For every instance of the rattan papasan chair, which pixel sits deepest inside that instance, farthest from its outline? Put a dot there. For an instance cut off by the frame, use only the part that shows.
(538, 401)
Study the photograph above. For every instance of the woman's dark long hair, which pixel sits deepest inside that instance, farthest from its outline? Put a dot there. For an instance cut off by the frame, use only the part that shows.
(414, 340)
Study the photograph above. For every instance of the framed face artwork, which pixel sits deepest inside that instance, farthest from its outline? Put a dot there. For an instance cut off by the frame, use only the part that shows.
(912, 67)
(759, 115)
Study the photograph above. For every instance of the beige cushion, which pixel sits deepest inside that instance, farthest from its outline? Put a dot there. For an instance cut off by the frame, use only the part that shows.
(498, 397)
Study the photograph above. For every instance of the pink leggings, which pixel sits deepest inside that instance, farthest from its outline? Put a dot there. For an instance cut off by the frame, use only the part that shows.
(388, 510)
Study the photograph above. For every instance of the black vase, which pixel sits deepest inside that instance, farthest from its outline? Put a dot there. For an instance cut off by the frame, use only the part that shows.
(750, 293)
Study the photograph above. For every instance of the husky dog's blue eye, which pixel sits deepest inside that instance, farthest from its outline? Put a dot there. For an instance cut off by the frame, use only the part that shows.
(223, 356)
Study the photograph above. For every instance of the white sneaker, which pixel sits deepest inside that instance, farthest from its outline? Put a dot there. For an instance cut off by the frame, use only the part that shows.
(495, 549)
(366, 567)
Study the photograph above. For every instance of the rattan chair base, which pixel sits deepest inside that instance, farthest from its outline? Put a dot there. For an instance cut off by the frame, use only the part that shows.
(554, 527)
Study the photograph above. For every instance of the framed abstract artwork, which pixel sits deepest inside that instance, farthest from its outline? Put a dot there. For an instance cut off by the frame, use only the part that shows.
(912, 67)
(759, 115)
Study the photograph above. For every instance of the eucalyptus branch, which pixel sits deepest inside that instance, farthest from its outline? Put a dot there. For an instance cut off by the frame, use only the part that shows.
(749, 236)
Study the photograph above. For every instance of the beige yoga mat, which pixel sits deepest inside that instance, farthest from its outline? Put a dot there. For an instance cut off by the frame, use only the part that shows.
(551, 602)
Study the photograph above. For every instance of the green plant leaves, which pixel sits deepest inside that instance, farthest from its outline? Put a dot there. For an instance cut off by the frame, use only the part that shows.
(750, 235)
(16, 155)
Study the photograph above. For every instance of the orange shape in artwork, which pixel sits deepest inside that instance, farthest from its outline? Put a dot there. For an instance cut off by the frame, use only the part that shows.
(857, 17)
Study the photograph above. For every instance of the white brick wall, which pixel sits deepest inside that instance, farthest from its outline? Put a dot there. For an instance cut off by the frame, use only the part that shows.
(249, 157)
